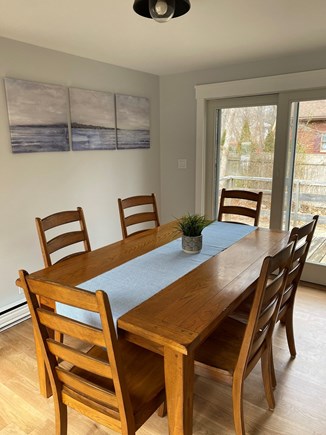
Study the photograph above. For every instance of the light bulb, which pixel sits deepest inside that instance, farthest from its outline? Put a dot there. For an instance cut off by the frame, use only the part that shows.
(161, 7)
(161, 10)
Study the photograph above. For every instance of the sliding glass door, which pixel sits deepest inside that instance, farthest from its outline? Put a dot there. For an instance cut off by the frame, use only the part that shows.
(306, 181)
(275, 144)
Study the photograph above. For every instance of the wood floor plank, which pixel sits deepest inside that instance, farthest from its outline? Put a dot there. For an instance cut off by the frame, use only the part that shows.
(300, 394)
(12, 429)
(15, 409)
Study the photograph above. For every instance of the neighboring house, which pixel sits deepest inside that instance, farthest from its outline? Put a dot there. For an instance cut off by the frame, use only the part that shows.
(312, 127)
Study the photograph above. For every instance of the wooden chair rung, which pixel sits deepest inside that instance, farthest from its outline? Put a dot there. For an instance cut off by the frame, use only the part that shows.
(63, 240)
(101, 414)
(94, 391)
(71, 327)
(70, 296)
(79, 359)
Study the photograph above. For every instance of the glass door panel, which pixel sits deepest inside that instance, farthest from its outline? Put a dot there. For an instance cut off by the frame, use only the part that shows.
(307, 164)
(245, 152)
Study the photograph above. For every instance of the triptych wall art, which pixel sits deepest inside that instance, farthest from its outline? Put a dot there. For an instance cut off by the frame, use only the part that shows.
(39, 118)
(92, 120)
(132, 122)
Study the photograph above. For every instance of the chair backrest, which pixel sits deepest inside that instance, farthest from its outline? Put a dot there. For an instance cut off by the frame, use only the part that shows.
(106, 399)
(242, 203)
(52, 245)
(303, 237)
(265, 307)
(138, 215)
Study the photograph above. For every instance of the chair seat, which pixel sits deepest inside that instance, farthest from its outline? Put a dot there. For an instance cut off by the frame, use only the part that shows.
(141, 367)
(241, 313)
(221, 349)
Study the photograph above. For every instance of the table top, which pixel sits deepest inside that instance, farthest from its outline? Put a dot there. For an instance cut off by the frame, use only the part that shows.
(183, 314)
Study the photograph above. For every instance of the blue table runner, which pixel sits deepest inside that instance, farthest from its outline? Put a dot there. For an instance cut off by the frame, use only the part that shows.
(133, 282)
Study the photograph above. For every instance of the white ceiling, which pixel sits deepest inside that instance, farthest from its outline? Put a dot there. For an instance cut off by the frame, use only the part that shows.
(213, 33)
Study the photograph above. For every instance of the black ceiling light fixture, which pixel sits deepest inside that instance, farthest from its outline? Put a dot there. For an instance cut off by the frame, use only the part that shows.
(161, 10)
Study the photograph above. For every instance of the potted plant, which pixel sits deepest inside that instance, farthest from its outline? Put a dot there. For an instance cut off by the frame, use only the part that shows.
(191, 227)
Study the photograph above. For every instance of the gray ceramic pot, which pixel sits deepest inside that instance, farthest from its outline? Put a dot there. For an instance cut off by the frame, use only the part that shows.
(192, 245)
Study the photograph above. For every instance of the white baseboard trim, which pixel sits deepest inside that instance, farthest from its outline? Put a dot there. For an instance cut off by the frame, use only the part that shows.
(14, 316)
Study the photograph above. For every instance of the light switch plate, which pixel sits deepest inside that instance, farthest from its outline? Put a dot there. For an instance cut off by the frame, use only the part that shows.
(182, 164)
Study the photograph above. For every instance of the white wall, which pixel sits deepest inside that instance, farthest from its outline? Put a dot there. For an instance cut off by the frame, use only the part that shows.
(178, 121)
(39, 184)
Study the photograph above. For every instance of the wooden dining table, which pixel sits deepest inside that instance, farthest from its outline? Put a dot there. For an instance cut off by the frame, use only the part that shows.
(177, 319)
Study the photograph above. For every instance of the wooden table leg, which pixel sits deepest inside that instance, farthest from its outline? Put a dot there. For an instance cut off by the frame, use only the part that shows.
(179, 381)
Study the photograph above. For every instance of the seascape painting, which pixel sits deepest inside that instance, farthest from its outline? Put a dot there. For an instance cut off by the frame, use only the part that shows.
(38, 116)
(92, 120)
(133, 126)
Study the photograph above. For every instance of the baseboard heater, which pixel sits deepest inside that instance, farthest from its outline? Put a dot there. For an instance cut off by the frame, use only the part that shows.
(13, 315)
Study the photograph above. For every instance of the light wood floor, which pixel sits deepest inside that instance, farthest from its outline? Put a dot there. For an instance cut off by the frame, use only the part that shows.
(300, 393)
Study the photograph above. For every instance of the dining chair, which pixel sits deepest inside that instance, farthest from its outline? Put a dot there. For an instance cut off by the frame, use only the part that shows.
(113, 382)
(144, 210)
(50, 246)
(303, 236)
(231, 352)
(250, 205)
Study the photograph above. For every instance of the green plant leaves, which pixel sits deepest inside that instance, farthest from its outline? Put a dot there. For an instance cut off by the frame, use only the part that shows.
(192, 225)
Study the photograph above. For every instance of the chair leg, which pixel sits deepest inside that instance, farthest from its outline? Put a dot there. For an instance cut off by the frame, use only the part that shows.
(162, 410)
(274, 383)
(290, 332)
(237, 398)
(266, 359)
(283, 320)
(61, 422)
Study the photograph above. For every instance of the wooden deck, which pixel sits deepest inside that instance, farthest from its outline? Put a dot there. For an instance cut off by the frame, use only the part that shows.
(317, 251)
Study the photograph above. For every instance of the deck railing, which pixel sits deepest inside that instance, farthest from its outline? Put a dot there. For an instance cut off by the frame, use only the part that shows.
(299, 196)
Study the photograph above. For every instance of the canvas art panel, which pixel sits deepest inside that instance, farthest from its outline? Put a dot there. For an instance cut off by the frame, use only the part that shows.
(38, 116)
(92, 115)
(133, 122)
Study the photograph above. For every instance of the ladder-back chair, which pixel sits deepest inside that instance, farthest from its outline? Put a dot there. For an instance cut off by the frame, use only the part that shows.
(234, 349)
(303, 236)
(52, 245)
(241, 203)
(115, 383)
(139, 215)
